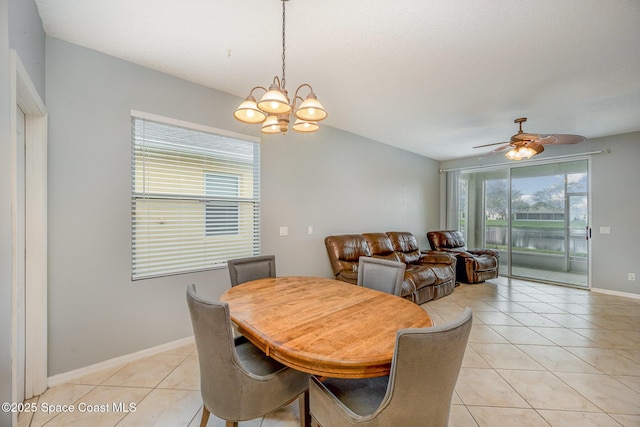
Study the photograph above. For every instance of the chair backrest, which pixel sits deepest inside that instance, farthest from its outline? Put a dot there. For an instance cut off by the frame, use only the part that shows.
(424, 371)
(220, 368)
(236, 386)
(238, 381)
(446, 240)
(243, 270)
(381, 274)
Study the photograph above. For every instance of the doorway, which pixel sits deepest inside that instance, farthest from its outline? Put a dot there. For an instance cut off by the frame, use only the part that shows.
(537, 216)
(29, 235)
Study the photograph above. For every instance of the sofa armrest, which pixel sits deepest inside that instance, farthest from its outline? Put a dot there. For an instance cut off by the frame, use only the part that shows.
(485, 251)
(437, 257)
(348, 276)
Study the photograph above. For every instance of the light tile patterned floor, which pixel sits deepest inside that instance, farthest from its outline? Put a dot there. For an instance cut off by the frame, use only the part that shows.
(538, 355)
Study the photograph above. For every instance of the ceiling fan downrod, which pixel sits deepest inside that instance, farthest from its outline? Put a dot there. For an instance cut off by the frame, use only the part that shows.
(520, 121)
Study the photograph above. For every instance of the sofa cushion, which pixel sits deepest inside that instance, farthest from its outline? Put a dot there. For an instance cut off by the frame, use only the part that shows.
(345, 252)
(441, 272)
(405, 245)
(446, 240)
(420, 275)
(393, 256)
(408, 257)
(403, 241)
(379, 244)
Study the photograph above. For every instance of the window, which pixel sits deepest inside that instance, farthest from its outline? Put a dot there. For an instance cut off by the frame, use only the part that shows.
(195, 200)
(222, 213)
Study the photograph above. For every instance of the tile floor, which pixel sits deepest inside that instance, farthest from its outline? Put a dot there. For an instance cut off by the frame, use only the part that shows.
(538, 355)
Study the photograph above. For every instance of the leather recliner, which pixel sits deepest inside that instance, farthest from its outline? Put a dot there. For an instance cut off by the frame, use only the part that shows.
(474, 265)
(428, 275)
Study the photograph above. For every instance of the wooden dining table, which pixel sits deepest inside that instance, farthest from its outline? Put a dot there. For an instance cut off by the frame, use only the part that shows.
(323, 326)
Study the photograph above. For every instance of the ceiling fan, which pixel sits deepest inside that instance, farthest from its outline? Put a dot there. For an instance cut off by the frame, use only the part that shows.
(526, 145)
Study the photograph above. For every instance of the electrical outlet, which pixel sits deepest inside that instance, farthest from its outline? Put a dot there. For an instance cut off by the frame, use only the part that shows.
(632, 276)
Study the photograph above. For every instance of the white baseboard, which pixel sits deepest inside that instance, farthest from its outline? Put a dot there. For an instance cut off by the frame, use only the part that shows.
(121, 360)
(616, 293)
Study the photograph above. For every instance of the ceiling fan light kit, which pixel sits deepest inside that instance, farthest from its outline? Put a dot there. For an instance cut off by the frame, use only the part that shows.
(274, 109)
(526, 145)
(524, 151)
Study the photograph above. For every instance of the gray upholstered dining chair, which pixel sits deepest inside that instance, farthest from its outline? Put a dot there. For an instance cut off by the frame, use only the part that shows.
(381, 274)
(418, 390)
(246, 269)
(238, 382)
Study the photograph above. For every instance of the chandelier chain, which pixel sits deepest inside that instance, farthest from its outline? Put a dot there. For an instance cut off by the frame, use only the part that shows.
(283, 42)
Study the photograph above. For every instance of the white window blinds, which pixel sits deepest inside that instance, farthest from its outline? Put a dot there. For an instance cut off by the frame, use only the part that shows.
(195, 199)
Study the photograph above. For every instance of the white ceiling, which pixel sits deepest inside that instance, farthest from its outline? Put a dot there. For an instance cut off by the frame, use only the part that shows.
(435, 77)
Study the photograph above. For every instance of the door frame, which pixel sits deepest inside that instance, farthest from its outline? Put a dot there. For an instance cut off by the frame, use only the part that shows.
(25, 96)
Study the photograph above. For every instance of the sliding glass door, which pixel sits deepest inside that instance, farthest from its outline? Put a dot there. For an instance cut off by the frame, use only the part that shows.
(536, 216)
(549, 222)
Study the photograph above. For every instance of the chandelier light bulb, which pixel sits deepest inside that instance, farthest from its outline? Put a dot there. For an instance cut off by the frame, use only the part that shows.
(311, 109)
(304, 126)
(274, 101)
(271, 125)
(248, 112)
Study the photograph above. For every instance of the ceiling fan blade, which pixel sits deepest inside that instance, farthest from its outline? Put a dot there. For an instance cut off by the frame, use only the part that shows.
(564, 138)
(489, 145)
(538, 138)
(546, 139)
(495, 150)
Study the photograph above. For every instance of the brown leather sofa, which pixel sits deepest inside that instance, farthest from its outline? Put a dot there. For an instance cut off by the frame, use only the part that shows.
(428, 276)
(474, 265)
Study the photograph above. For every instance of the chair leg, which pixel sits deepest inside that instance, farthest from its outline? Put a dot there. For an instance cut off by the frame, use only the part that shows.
(231, 424)
(205, 416)
(303, 405)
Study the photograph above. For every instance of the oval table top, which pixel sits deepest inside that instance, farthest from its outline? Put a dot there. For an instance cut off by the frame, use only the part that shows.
(323, 326)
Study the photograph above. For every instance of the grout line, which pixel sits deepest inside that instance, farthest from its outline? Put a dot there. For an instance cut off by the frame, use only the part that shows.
(498, 294)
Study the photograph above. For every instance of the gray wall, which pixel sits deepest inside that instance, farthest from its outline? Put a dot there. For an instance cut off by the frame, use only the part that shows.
(332, 180)
(340, 183)
(615, 203)
(27, 37)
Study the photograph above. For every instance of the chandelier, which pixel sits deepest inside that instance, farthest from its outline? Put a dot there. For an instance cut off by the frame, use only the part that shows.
(275, 109)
